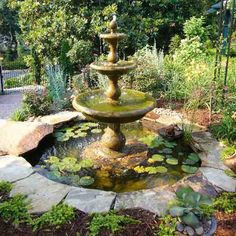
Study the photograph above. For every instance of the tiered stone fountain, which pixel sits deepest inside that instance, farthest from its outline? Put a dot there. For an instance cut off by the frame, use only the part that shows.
(114, 106)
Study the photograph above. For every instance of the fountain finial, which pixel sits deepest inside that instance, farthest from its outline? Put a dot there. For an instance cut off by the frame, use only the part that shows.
(113, 24)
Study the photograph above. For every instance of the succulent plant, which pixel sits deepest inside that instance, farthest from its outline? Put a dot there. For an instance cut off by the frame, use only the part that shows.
(189, 206)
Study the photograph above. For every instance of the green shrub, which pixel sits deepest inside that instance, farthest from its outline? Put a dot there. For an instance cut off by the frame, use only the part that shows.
(20, 81)
(226, 202)
(174, 43)
(15, 210)
(19, 63)
(110, 221)
(57, 216)
(148, 76)
(5, 187)
(36, 103)
(167, 226)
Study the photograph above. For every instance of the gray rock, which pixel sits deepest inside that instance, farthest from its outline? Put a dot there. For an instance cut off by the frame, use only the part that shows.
(61, 117)
(14, 168)
(189, 230)
(210, 150)
(90, 200)
(199, 230)
(180, 227)
(219, 179)
(155, 200)
(20, 137)
(42, 192)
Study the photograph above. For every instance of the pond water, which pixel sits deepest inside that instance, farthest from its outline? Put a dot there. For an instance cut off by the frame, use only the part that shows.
(59, 159)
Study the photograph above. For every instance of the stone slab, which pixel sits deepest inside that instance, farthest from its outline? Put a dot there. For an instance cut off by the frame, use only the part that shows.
(198, 183)
(90, 200)
(61, 117)
(154, 200)
(13, 168)
(210, 150)
(219, 179)
(20, 137)
(42, 192)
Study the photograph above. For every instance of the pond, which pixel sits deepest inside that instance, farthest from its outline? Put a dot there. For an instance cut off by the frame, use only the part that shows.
(59, 158)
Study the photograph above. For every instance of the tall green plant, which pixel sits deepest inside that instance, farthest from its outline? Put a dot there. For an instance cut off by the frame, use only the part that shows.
(57, 85)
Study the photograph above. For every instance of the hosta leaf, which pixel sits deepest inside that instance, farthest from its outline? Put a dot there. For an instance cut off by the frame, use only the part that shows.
(189, 169)
(86, 181)
(183, 191)
(190, 219)
(176, 211)
(172, 161)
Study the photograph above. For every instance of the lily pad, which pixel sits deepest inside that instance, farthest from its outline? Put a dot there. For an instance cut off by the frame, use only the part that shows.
(169, 144)
(96, 131)
(166, 151)
(157, 157)
(139, 169)
(86, 181)
(172, 161)
(91, 124)
(189, 169)
(80, 135)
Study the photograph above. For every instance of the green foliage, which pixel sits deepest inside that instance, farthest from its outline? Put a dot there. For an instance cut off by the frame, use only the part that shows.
(16, 64)
(15, 210)
(226, 202)
(188, 206)
(57, 216)
(227, 151)
(36, 103)
(148, 75)
(174, 43)
(57, 86)
(20, 81)
(110, 221)
(19, 115)
(167, 226)
(5, 187)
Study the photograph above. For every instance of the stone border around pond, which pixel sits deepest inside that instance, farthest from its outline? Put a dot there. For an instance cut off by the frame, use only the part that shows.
(44, 193)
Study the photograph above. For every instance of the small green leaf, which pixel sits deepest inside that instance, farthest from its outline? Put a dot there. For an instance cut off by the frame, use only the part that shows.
(176, 211)
(183, 191)
(86, 181)
(172, 161)
(191, 220)
(158, 157)
(96, 131)
(189, 169)
(139, 169)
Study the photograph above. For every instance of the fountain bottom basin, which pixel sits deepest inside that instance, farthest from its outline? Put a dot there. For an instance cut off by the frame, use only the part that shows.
(62, 158)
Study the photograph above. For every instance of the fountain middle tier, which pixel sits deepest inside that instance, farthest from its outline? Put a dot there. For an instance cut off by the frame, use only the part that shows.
(131, 106)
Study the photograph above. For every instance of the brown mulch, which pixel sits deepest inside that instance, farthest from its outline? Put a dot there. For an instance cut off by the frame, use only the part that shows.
(147, 226)
(226, 224)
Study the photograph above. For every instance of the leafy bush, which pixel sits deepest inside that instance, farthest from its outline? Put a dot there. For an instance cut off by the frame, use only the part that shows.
(57, 216)
(15, 210)
(226, 202)
(57, 86)
(19, 63)
(20, 81)
(148, 76)
(167, 226)
(110, 221)
(36, 103)
(189, 206)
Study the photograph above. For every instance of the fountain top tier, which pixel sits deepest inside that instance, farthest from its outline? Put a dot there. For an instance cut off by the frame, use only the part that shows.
(114, 106)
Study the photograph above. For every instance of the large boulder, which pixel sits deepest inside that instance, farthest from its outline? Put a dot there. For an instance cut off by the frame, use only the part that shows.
(20, 137)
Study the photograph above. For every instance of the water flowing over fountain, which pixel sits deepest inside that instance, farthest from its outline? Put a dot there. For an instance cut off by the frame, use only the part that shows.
(114, 106)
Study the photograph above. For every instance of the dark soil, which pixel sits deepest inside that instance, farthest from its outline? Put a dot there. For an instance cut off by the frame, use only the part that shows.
(148, 226)
(226, 224)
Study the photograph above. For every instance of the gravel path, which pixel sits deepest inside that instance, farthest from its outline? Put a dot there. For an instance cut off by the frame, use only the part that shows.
(9, 103)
